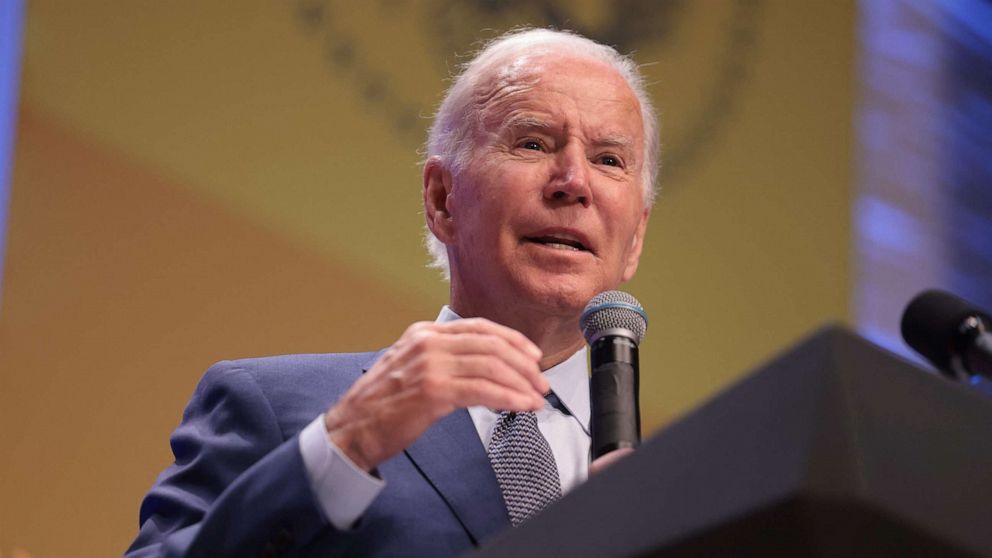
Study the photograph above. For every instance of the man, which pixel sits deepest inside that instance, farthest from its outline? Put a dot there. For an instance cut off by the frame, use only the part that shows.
(537, 191)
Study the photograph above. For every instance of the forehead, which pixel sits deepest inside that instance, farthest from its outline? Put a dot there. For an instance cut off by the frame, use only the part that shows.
(563, 91)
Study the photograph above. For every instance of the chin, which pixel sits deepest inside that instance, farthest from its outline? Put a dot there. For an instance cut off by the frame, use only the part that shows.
(562, 296)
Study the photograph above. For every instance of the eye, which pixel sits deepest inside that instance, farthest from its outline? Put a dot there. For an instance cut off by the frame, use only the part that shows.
(531, 144)
(611, 160)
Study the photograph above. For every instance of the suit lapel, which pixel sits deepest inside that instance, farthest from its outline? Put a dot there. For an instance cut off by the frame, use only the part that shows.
(452, 459)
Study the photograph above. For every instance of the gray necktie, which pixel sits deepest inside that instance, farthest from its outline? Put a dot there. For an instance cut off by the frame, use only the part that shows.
(524, 465)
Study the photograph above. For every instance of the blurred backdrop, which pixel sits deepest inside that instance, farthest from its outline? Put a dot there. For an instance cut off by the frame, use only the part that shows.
(189, 181)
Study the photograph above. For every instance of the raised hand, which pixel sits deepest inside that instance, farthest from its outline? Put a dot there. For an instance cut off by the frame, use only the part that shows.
(432, 370)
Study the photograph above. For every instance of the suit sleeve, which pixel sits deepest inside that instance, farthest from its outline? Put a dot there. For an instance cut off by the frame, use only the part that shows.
(238, 486)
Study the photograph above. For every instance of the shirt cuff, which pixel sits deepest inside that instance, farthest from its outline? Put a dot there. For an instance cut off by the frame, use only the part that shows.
(343, 490)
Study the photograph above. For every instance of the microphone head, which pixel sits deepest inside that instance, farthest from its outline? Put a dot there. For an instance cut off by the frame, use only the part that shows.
(934, 324)
(613, 313)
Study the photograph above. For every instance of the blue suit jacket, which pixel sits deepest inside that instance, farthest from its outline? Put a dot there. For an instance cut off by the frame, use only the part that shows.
(238, 486)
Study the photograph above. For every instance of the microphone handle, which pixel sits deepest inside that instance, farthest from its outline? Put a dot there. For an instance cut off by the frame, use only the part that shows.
(613, 395)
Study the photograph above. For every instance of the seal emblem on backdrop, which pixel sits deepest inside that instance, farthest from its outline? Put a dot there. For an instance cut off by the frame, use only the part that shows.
(696, 54)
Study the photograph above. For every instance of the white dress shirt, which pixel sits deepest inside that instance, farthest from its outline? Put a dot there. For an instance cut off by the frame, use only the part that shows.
(345, 491)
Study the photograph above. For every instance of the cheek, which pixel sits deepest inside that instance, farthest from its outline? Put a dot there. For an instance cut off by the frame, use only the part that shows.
(627, 226)
(481, 191)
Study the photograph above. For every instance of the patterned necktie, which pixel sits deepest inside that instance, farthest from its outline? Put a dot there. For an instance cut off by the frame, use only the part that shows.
(524, 466)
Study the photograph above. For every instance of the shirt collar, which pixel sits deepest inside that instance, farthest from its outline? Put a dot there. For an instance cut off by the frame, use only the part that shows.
(569, 379)
(570, 382)
(447, 315)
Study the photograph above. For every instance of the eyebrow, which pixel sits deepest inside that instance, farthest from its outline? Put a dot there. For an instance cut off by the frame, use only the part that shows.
(534, 123)
(528, 122)
(616, 141)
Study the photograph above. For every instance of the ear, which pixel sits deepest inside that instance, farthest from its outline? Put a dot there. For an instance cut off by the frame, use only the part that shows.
(437, 188)
(637, 244)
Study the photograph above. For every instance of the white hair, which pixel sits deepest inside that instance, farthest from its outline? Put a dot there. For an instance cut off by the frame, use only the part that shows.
(451, 136)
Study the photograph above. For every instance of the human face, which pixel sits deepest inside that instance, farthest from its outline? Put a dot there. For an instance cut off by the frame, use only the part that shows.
(549, 209)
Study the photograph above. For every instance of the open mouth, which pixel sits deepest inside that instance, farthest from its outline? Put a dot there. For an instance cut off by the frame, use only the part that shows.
(559, 243)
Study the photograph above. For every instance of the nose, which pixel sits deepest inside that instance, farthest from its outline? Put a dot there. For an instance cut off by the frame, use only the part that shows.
(569, 181)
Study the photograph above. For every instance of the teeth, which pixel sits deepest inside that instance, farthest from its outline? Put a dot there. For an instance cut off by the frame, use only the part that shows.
(558, 243)
(559, 246)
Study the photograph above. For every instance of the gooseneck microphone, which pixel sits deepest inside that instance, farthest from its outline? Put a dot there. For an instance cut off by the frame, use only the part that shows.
(613, 324)
(950, 332)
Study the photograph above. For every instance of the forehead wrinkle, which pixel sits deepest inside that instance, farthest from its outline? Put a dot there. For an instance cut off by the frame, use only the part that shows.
(502, 104)
(502, 86)
(494, 107)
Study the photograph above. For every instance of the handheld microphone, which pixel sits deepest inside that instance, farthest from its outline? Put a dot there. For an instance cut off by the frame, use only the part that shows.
(613, 324)
(950, 332)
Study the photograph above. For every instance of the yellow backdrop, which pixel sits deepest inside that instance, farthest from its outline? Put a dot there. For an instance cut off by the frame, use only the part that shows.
(204, 180)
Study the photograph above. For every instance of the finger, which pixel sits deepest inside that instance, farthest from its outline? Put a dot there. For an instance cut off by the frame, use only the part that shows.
(476, 337)
(604, 461)
(435, 378)
(479, 335)
(475, 344)
(492, 369)
(431, 362)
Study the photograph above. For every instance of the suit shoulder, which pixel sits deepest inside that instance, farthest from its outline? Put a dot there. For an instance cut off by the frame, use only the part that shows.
(296, 368)
(296, 388)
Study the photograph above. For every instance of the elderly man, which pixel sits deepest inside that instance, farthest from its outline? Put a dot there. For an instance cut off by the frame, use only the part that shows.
(537, 190)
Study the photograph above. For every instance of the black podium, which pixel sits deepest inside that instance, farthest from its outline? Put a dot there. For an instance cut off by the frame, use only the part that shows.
(835, 449)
